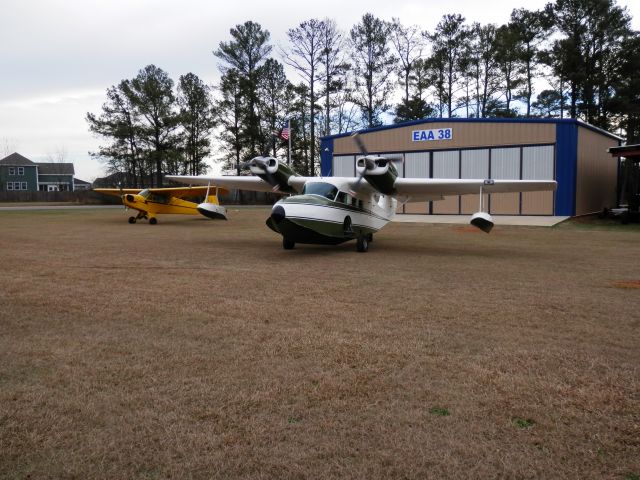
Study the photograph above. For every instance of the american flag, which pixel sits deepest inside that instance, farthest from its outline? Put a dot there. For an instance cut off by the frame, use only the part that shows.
(285, 133)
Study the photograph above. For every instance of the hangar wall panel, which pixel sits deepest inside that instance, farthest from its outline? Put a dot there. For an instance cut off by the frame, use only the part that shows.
(537, 203)
(344, 165)
(447, 165)
(537, 164)
(474, 164)
(464, 135)
(417, 165)
(597, 172)
(505, 165)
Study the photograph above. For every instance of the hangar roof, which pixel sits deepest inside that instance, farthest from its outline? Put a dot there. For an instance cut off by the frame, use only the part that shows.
(480, 120)
(627, 151)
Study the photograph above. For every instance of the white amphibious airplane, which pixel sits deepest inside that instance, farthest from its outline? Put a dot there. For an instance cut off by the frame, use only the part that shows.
(332, 210)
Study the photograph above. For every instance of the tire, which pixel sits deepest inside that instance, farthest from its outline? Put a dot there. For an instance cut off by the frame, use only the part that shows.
(288, 244)
(362, 244)
(153, 221)
(132, 219)
(347, 226)
(370, 237)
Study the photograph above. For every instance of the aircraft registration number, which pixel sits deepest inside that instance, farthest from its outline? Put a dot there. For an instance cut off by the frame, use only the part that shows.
(429, 135)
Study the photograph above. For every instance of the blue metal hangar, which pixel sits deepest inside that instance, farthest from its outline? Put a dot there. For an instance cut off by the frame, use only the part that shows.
(569, 151)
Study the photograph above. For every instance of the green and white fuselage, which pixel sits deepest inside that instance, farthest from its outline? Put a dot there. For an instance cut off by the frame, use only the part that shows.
(328, 211)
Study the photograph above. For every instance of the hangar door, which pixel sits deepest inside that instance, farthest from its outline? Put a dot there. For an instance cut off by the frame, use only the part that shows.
(501, 163)
(538, 163)
(344, 166)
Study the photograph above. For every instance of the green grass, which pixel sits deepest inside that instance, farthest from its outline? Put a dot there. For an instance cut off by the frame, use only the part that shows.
(523, 423)
(439, 411)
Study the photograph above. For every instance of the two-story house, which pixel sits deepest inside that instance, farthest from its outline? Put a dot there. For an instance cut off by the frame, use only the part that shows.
(18, 173)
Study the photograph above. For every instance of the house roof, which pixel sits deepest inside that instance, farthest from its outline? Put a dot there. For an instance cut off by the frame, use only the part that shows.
(77, 181)
(55, 168)
(16, 160)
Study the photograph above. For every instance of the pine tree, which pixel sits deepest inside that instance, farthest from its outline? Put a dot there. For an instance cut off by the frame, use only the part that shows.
(197, 119)
(373, 64)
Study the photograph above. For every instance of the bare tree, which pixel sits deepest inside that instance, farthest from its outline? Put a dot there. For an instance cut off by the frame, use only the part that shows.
(408, 44)
(7, 146)
(305, 55)
(333, 67)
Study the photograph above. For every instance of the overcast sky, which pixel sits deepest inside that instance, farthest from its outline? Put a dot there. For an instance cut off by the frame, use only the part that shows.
(57, 58)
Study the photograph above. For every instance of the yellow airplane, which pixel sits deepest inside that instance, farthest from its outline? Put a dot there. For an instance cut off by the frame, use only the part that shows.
(153, 201)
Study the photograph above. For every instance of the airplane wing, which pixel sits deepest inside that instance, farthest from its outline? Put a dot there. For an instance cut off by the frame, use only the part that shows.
(242, 182)
(181, 192)
(435, 188)
(117, 192)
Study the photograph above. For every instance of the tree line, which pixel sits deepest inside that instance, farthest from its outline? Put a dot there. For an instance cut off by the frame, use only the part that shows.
(583, 52)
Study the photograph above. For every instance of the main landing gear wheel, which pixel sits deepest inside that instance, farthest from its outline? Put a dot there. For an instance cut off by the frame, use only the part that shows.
(347, 226)
(362, 243)
(288, 244)
(132, 219)
(153, 221)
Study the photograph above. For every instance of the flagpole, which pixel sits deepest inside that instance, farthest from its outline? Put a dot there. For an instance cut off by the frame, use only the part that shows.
(289, 150)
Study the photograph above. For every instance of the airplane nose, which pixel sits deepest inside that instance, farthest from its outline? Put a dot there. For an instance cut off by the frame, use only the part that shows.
(129, 197)
(277, 214)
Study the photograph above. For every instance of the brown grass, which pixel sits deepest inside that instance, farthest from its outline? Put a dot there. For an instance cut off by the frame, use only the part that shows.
(201, 349)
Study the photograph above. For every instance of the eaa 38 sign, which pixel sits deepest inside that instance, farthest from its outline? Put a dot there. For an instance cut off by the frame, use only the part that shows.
(430, 135)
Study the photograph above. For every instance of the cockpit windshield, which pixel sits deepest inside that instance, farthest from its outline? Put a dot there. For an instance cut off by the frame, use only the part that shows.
(144, 193)
(320, 188)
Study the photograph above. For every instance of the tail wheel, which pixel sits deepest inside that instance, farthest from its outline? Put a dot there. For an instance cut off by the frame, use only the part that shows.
(153, 221)
(362, 244)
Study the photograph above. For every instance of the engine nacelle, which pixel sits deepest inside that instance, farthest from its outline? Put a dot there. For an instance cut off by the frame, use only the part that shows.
(483, 221)
(380, 172)
(212, 210)
(272, 171)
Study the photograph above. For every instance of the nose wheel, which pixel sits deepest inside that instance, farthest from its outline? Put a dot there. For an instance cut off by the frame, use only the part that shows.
(362, 243)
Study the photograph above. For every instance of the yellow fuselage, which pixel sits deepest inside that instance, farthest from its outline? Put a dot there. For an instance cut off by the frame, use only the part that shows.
(157, 204)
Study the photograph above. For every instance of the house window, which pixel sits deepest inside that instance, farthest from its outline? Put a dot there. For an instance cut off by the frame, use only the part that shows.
(9, 185)
(12, 170)
(20, 170)
(23, 185)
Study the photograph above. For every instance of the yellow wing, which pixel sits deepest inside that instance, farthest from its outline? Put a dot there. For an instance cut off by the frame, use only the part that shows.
(117, 192)
(176, 192)
(181, 192)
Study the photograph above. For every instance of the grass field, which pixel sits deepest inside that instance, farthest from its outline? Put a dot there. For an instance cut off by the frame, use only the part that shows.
(201, 349)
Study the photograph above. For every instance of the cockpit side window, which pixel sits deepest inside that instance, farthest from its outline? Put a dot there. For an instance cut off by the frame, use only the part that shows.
(157, 198)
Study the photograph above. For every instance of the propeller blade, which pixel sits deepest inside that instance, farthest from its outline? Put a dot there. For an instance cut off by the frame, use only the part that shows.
(360, 143)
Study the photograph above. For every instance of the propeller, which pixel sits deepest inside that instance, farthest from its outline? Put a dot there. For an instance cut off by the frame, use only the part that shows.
(365, 152)
(122, 196)
(261, 163)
